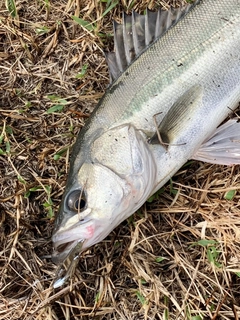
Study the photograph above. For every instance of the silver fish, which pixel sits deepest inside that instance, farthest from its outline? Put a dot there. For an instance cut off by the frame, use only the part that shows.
(175, 78)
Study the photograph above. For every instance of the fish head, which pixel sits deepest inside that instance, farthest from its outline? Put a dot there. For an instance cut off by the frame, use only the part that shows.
(108, 187)
(90, 209)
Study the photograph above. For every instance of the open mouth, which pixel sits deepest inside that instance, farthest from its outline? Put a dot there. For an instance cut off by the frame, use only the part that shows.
(67, 248)
(64, 246)
(64, 242)
(66, 237)
(63, 250)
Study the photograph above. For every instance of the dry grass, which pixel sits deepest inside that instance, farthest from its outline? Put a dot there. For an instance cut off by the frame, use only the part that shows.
(153, 265)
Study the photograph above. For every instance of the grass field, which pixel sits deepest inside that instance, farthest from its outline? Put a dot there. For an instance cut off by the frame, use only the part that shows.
(178, 257)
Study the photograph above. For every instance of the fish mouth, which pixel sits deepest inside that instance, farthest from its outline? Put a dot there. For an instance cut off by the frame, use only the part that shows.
(66, 269)
(62, 250)
(66, 237)
(69, 240)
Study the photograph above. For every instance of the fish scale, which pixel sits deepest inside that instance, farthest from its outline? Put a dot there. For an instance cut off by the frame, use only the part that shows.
(156, 115)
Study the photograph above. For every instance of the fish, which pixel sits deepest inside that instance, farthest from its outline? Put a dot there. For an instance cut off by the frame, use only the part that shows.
(175, 77)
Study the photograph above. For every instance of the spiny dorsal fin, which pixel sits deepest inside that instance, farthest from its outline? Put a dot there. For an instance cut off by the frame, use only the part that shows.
(136, 33)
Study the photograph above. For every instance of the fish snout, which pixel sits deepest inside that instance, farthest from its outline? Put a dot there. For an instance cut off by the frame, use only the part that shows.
(67, 236)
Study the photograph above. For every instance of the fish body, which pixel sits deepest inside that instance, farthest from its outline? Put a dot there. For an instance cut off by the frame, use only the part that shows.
(152, 119)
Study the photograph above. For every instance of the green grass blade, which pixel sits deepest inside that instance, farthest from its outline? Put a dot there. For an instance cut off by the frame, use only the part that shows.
(85, 24)
(11, 7)
(110, 7)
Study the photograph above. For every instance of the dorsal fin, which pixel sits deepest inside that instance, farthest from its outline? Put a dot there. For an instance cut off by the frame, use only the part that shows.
(136, 33)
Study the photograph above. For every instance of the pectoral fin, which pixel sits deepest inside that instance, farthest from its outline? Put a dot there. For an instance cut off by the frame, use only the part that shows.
(223, 147)
(180, 114)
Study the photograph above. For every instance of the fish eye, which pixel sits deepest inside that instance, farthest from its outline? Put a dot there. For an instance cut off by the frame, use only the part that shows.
(76, 201)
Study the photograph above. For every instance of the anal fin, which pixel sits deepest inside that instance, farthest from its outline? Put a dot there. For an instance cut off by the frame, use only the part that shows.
(223, 147)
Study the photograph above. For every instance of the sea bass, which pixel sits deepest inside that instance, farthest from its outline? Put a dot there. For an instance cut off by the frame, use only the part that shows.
(175, 78)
